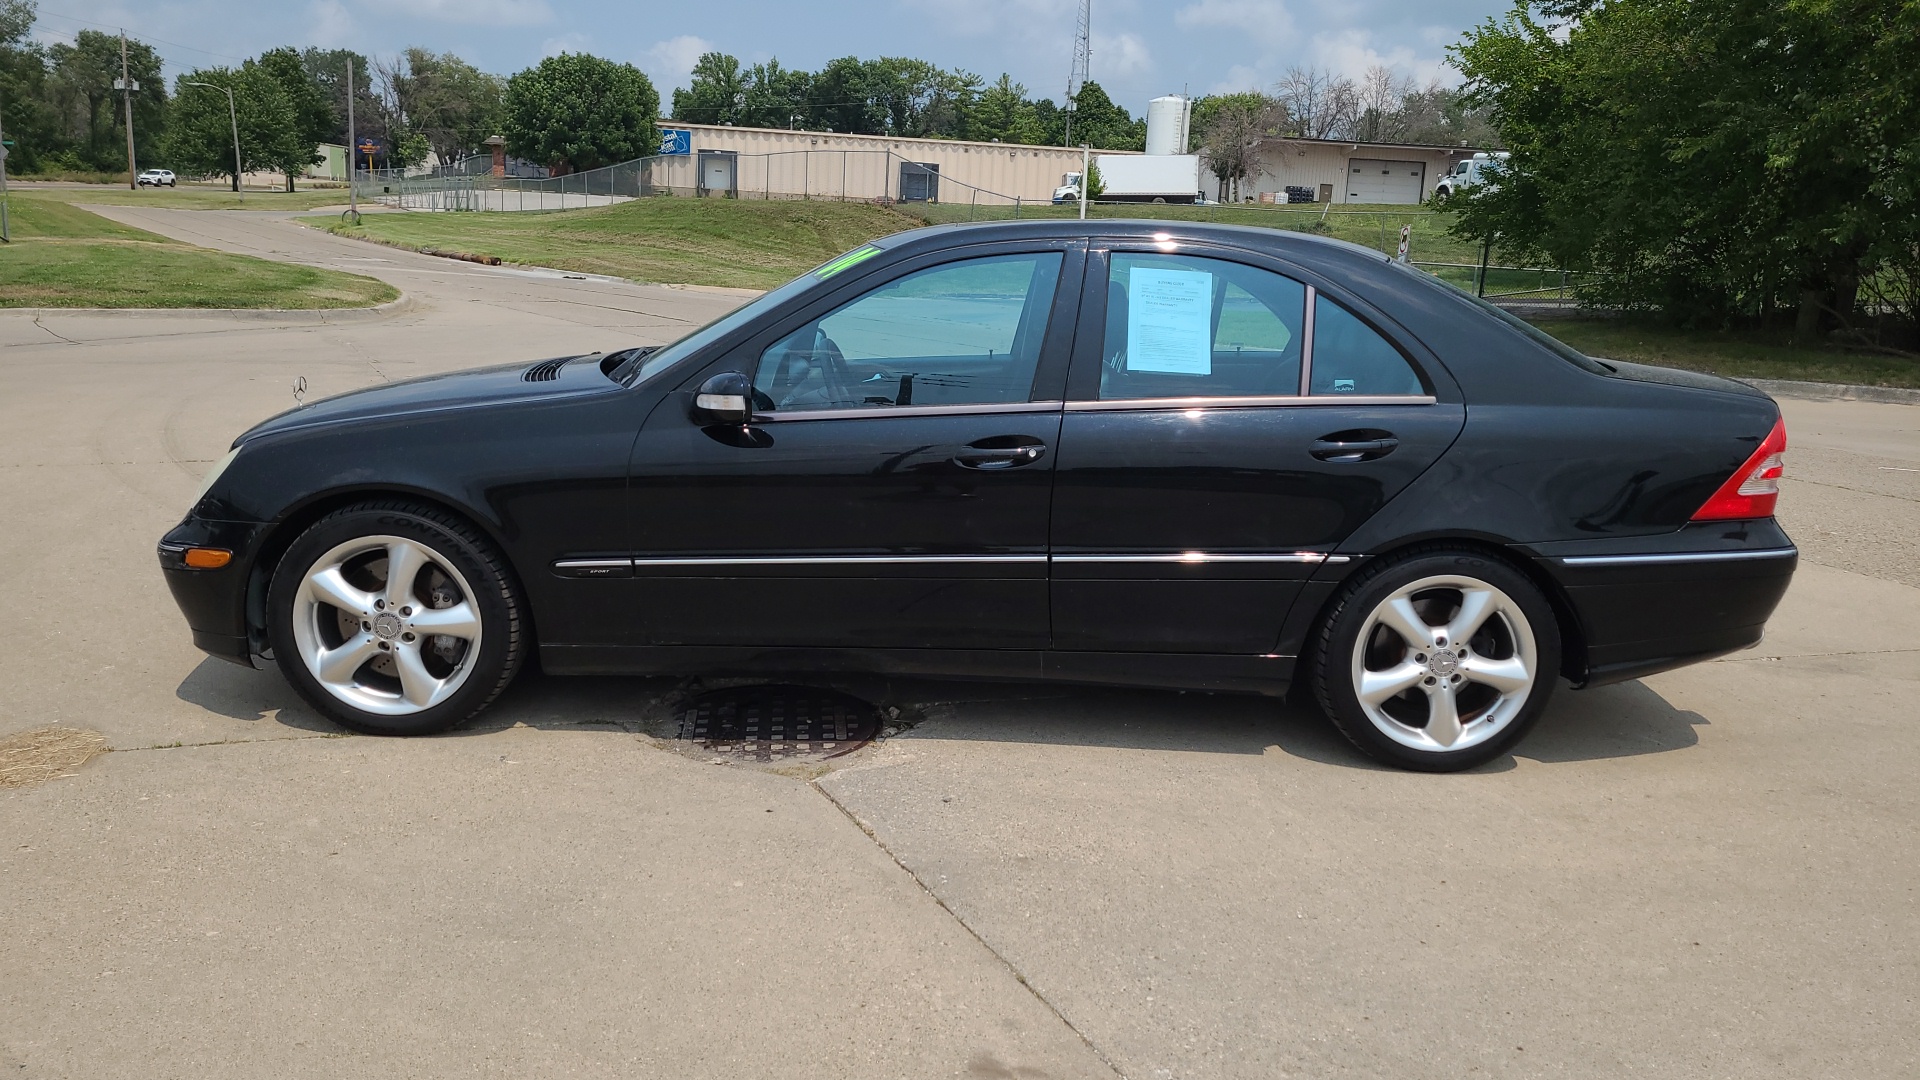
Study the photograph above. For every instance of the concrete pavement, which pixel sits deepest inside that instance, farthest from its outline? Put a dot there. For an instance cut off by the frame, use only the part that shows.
(1705, 874)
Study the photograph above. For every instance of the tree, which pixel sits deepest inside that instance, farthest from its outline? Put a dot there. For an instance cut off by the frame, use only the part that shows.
(1717, 160)
(773, 96)
(80, 91)
(1442, 116)
(581, 111)
(1319, 104)
(840, 98)
(716, 94)
(1379, 97)
(312, 112)
(1099, 123)
(30, 122)
(1002, 113)
(1230, 130)
(200, 137)
(328, 70)
(450, 103)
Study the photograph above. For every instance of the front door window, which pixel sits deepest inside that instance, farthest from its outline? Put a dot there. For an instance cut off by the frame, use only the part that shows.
(965, 333)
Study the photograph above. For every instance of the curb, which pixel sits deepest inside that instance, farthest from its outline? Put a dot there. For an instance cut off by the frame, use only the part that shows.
(404, 304)
(1820, 391)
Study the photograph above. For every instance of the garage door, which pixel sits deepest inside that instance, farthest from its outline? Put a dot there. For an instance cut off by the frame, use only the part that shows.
(1385, 181)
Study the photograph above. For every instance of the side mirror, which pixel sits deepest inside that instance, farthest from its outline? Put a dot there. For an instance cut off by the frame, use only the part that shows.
(726, 398)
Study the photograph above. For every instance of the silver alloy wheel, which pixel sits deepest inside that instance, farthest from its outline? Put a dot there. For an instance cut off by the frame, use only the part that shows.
(1445, 663)
(386, 625)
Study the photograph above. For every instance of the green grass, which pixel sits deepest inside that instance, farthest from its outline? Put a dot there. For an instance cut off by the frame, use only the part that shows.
(35, 218)
(1751, 355)
(743, 244)
(63, 256)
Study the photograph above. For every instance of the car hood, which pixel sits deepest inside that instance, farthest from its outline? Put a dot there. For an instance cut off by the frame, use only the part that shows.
(474, 388)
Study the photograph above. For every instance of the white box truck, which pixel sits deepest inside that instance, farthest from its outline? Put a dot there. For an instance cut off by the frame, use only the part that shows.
(1149, 178)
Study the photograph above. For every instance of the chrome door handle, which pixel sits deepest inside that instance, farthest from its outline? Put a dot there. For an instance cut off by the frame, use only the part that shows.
(1333, 448)
(987, 456)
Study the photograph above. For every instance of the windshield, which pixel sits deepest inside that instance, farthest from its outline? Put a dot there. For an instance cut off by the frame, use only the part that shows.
(658, 360)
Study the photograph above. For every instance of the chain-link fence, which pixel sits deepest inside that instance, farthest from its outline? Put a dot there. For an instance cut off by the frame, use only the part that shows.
(880, 176)
(922, 191)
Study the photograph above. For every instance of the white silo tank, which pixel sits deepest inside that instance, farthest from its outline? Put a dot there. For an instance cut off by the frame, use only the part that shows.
(1167, 119)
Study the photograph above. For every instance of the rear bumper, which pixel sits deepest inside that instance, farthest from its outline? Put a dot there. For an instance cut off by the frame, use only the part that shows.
(1647, 612)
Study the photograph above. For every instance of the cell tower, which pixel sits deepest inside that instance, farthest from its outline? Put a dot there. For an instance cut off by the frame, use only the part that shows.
(1082, 61)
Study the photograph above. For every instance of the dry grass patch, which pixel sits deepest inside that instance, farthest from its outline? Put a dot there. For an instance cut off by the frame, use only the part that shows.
(47, 753)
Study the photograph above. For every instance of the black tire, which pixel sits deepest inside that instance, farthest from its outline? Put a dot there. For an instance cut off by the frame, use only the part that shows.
(505, 634)
(1332, 676)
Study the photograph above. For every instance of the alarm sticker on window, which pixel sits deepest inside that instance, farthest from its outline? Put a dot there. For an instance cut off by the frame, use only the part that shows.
(1169, 321)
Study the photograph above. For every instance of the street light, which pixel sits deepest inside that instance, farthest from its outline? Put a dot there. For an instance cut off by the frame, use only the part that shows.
(234, 117)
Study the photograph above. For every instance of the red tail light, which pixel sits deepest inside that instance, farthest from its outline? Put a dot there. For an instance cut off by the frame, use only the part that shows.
(1753, 488)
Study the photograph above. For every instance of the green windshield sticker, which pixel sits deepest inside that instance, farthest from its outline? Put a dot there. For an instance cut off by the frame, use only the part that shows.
(852, 258)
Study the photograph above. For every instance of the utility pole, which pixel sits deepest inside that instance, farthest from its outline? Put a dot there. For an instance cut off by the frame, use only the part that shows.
(353, 189)
(127, 85)
(1086, 179)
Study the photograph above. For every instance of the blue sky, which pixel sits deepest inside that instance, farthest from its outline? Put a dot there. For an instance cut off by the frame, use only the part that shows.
(1140, 49)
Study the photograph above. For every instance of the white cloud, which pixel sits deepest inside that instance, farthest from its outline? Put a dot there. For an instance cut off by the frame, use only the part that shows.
(1119, 56)
(476, 12)
(669, 62)
(329, 24)
(565, 43)
(1351, 53)
(1265, 21)
(1240, 78)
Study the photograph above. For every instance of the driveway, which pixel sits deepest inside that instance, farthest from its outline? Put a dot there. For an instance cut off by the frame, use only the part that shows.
(1708, 873)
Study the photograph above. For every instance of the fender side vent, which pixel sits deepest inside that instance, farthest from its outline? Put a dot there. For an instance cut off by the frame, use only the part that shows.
(547, 370)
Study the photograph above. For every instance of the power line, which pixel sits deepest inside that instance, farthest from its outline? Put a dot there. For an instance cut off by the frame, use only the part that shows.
(144, 39)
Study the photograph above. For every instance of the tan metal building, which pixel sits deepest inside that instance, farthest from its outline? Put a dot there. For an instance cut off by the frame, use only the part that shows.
(1340, 171)
(709, 159)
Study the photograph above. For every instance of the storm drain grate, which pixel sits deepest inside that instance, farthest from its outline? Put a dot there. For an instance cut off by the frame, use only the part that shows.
(762, 723)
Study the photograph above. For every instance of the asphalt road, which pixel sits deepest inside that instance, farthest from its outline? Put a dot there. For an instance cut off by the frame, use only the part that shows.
(1710, 873)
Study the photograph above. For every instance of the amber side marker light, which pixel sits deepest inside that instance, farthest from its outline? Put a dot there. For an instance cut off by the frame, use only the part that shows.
(207, 558)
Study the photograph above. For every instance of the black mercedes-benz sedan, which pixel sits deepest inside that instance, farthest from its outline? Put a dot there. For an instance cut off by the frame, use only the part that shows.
(1149, 453)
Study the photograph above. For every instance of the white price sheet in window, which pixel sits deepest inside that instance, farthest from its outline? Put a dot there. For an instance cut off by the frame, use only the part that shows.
(1169, 321)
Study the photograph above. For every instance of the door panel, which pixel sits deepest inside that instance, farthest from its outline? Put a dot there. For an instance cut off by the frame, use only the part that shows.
(1188, 523)
(894, 487)
(1239, 484)
(841, 531)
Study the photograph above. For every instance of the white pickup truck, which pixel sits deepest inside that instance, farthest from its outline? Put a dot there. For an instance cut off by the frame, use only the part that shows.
(1149, 178)
(1482, 168)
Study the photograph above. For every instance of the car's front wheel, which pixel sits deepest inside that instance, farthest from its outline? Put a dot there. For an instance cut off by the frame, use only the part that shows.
(396, 619)
(1437, 661)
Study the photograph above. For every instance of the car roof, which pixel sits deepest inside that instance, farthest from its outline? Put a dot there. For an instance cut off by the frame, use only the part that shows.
(1284, 242)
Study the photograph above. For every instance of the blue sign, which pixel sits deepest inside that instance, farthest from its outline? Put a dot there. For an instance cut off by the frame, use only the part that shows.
(676, 142)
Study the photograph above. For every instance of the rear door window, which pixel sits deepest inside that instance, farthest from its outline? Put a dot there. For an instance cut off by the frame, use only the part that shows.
(1350, 357)
(1188, 326)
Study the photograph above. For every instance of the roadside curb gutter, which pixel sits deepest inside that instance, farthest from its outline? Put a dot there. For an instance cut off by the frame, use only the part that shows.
(401, 306)
(1821, 391)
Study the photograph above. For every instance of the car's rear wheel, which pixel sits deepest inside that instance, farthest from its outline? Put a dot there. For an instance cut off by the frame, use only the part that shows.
(1437, 661)
(396, 619)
